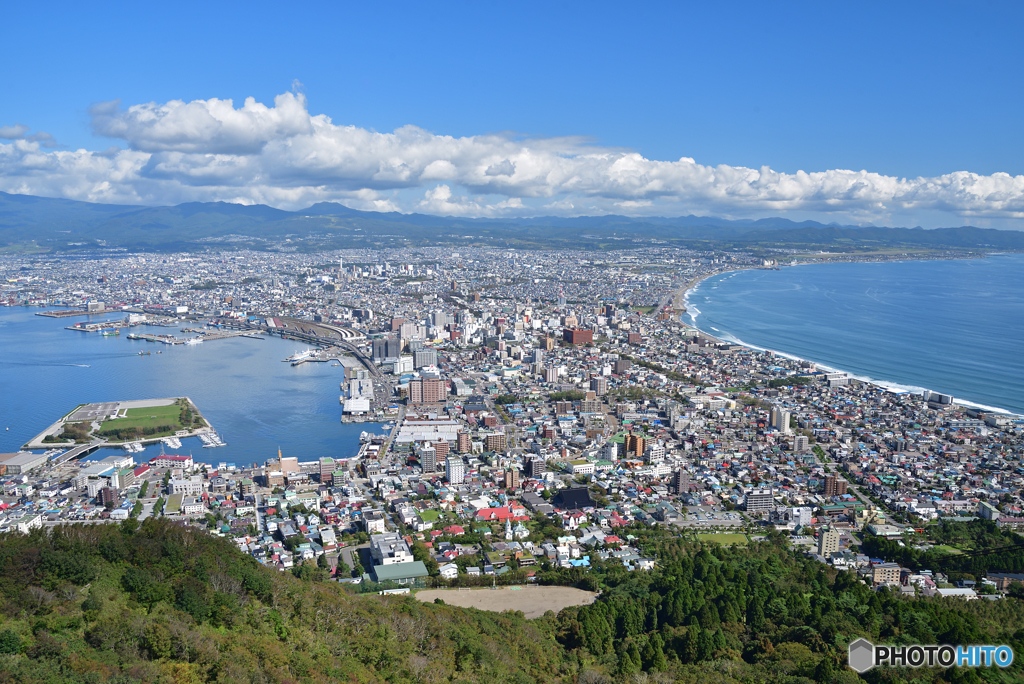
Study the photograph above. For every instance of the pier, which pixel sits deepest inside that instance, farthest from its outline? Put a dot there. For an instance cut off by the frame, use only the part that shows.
(66, 313)
(203, 336)
(96, 327)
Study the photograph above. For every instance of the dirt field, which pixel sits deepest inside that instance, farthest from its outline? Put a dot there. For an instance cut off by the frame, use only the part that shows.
(532, 600)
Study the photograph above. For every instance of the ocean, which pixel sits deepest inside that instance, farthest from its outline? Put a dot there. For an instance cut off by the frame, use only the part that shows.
(256, 403)
(951, 326)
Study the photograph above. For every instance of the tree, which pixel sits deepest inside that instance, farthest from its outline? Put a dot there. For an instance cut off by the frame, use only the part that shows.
(10, 642)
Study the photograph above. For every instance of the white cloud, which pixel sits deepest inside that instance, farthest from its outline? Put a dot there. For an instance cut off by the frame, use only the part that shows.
(286, 157)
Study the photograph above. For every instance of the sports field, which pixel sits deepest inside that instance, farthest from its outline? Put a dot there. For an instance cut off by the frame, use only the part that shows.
(533, 601)
(724, 538)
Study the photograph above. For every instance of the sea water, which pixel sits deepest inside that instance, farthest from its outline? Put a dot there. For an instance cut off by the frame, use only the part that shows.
(951, 326)
(255, 402)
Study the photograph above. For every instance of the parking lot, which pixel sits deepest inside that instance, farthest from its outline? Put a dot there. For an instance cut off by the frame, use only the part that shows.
(712, 516)
(94, 411)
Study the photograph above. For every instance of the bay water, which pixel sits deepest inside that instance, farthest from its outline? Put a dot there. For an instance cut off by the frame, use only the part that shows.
(255, 402)
(951, 326)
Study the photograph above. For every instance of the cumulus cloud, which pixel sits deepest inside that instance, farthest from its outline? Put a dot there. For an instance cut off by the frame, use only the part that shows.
(286, 157)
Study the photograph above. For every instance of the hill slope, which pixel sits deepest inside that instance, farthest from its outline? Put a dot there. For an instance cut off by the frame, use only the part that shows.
(168, 603)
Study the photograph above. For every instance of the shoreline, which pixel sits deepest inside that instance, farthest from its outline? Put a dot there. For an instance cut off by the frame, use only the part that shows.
(888, 385)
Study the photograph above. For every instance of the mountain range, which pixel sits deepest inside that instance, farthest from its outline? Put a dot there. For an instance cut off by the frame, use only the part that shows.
(61, 224)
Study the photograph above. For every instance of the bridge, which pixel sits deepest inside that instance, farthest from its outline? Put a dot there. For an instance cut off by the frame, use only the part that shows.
(77, 452)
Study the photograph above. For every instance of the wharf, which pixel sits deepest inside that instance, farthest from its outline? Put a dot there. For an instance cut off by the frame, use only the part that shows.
(209, 336)
(149, 337)
(65, 313)
(95, 327)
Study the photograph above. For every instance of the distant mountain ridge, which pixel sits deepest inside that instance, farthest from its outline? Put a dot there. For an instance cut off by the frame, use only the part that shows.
(67, 224)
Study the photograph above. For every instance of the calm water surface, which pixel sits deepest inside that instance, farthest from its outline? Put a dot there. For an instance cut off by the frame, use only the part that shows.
(254, 401)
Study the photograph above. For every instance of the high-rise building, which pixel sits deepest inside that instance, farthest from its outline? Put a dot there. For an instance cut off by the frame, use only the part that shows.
(834, 486)
(828, 542)
(599, 385)
(551, 375)
(549, 343)
(442, 448)
(426, 391)
(495, 441)
(680, 482)
(780, 421)
(801, 443)
(511, 478)
(455, 470)
(535, 467)
(622, 365)
(428, 459)
(327, 468)
(636, 444)
(464, 443)
(424, 357)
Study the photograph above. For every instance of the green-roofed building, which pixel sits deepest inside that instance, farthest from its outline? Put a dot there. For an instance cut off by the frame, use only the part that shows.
(412, 572)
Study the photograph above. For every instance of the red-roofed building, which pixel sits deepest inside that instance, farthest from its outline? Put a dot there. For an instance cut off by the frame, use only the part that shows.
(501, 514)
(454, 529)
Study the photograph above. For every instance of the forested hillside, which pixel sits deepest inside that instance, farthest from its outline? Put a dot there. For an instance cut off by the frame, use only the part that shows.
(160, 602)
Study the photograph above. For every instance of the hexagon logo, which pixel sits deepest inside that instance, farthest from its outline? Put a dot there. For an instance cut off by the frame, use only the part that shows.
(861, 655)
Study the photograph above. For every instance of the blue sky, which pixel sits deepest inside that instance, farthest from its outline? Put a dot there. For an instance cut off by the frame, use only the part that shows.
(900, 90)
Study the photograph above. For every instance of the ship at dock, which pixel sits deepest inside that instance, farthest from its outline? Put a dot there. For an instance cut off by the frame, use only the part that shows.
(299, 357)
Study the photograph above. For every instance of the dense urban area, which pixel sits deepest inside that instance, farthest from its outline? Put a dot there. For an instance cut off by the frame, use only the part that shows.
(552, 420)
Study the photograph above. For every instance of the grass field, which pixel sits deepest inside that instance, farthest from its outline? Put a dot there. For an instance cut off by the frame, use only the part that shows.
(151, 417)
(724, 538)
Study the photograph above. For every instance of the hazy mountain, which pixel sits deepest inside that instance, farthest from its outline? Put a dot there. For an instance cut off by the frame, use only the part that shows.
(64, 224)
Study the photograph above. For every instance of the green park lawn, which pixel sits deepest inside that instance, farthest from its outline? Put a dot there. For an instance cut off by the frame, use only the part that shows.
(150, 417)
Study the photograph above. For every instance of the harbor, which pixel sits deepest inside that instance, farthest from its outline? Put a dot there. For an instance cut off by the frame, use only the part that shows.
(243, 390)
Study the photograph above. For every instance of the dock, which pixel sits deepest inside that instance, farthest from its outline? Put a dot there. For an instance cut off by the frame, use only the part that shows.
(101, 326)
(66, 313)
(209, 336)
